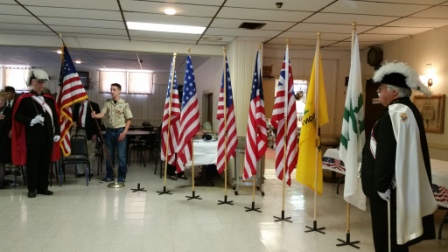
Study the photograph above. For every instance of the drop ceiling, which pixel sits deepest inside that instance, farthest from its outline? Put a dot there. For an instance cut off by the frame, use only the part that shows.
(378, 22)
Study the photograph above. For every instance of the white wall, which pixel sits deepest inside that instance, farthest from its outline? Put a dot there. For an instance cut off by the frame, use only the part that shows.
(417, 51)
(208, 80)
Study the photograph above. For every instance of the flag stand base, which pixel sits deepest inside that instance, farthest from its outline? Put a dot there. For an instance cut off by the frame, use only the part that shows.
(314, 228)
(116, 185)
(138, 189)
(283, 217)
(225, 201)
(193, 196)
(248, 209)
(164, 191)
(347, 242)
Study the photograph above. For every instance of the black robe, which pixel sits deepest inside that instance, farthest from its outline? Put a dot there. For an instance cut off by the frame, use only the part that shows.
(377, 174)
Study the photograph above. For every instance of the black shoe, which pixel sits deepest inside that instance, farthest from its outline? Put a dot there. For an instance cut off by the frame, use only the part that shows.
(31, 194)
(44, 192)
(80, 175)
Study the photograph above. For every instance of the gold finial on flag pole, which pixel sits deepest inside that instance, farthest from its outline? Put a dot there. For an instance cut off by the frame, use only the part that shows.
(354, 25)
(188, 50)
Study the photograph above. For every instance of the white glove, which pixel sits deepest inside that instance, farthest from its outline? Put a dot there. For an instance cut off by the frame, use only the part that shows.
(56, 138)
(385, 195)
(37, 119)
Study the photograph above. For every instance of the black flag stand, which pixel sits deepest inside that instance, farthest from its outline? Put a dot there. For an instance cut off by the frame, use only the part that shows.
(138, 189)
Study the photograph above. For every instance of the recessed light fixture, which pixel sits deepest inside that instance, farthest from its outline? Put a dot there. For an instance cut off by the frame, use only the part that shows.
(59, 51)
(78, 62)
(169, 11)
(165, 28)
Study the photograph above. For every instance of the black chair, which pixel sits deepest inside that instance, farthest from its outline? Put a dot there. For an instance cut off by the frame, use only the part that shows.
(79, 155)
(147, 126)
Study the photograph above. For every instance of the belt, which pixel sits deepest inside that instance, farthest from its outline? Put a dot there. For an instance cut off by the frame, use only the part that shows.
(114, 128)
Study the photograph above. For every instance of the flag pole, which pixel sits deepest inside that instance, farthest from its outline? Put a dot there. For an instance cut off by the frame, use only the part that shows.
(167, 143)
(282, 218)
(225, 135)
(347, 235)
(193, 196)
(316, 136)
(254, 179)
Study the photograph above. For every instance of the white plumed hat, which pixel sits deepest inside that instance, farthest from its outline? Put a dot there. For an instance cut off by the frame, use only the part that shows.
(401, 75)
(36, 73)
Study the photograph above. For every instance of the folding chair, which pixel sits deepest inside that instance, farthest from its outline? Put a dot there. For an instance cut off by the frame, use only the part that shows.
(79, 155)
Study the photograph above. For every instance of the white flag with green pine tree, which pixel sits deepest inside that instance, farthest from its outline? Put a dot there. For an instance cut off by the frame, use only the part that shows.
(353, 135)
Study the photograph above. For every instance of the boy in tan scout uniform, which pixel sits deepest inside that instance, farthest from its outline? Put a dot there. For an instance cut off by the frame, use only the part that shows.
(117, 119)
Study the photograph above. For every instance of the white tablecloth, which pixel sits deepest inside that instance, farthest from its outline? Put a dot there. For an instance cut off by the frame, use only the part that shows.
(439, 170)
(204, 152)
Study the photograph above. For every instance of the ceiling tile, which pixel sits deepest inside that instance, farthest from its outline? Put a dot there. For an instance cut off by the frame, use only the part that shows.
(430, 2)
(234, 23)
(313, 35)
(420, 22)
(186, 10)
(434, 12)
(83, 23)
(292, 5)
(379, 38)
(267, 15)
(398, 30)
(380, 9)
(10, 9)
(18, 19)
(76, 13)
(83, 4)
(333, 28)
(164, 19)
(347, 19)
(240, 32)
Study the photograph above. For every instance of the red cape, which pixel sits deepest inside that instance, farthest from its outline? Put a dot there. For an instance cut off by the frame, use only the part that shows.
(18, 136)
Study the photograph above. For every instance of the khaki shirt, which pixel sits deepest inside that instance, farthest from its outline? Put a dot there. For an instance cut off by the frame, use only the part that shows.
(116, 114)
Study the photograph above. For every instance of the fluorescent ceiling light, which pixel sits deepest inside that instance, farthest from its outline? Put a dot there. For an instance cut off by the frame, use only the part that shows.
(78, 62)
(166, 28)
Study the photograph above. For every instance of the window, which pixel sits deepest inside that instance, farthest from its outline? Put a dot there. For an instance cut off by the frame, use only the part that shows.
(14, 76)
(132, 81)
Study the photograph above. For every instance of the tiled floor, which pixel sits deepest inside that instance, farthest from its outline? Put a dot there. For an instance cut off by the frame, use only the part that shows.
(98, 218)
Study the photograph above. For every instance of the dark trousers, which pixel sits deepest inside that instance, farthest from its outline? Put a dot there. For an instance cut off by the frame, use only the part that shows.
(378, 212)
(38, 165)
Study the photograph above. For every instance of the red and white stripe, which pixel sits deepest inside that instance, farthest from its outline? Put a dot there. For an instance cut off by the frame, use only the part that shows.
(285, 104)
(256, 138)
(170, 119)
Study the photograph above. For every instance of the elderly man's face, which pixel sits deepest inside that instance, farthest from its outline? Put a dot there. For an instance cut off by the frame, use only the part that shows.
(38, 85)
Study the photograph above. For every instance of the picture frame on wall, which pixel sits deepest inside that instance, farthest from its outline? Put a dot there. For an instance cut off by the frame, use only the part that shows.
(84, 76)
(432, 109)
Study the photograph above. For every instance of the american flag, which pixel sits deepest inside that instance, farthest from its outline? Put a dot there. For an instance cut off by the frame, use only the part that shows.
(189, 120)
(170, 121)
(285, 105)
(227, 127)
(257, 138)
(71, 91)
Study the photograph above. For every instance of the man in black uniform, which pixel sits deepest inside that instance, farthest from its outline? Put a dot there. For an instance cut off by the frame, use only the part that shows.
(85, 125)
(396, 171)
(35, 133)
